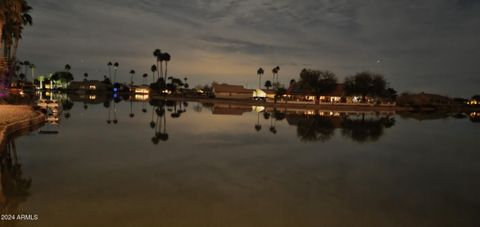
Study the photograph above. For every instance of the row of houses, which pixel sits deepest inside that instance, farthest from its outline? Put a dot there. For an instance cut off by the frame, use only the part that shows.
(338, 95)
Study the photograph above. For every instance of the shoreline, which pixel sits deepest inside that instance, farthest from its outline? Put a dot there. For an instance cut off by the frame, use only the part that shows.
(336, 107)
(32, 120)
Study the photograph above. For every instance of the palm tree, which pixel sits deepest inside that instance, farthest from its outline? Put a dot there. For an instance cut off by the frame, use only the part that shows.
(166, 57)
(86, 76)
(14, 14)
(277, 69)
(109, 65)
(153, 69)
(26, 19)
(275, 76)
(144, 76)
(132, 72)
(260, 72)
(26, 65)
(115, 69)
(157, 53)
(67, 67)
(32, 68)
(268, 84)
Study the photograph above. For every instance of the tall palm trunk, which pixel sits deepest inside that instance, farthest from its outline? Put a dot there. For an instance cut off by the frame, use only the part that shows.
(273, 81)
(161, 72)
(166, 70)
(260, 81)
(158, 71)
(15, 47)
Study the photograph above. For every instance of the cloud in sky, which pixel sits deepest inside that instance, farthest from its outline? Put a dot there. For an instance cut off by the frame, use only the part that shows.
(427, 45)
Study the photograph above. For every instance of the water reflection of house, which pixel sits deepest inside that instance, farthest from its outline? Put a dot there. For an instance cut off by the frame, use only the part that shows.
(140, 89)
(227, 109)
(227, 91)
(89, 86)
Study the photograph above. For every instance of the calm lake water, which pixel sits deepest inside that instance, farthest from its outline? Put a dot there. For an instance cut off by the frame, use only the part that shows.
(231, 166)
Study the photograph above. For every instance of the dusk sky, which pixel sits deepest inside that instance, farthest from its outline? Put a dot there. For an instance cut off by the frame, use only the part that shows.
(430, 45)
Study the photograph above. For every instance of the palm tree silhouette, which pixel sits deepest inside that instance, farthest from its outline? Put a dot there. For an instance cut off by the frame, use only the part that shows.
(132, 72)
(67, 67)
(153, 69)
(109, 64)
(166, 57)
(144, 76)
(86, 76)
(26, 64)
(115, 69)
(157, 53)
(275, 76)
(260, 72)
(32, 68)
(268, 84)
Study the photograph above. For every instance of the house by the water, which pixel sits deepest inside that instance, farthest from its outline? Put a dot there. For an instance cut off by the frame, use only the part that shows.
(227, 91)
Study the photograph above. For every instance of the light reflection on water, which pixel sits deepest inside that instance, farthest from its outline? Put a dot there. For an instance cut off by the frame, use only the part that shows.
(193, 164)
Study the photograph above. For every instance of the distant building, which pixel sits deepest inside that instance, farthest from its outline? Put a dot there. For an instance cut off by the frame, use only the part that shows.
(337, 95)
(227, 91)
(89, 86)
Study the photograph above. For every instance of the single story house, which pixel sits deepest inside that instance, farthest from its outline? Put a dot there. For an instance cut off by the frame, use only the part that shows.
(227, 91)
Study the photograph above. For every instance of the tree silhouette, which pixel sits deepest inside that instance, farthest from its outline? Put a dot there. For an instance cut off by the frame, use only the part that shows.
(268, 84)
(132, 73)
(260, 72)
(153, 69)
(115, 69)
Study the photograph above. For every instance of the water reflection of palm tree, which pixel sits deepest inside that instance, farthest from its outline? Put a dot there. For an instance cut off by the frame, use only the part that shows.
(152, 123)
(106, 104)
(144, 107)
(131, 109)
(160, 133)
(258, 127)
(14, 188)
(273, 125)
(164, 135)
(115, 120)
